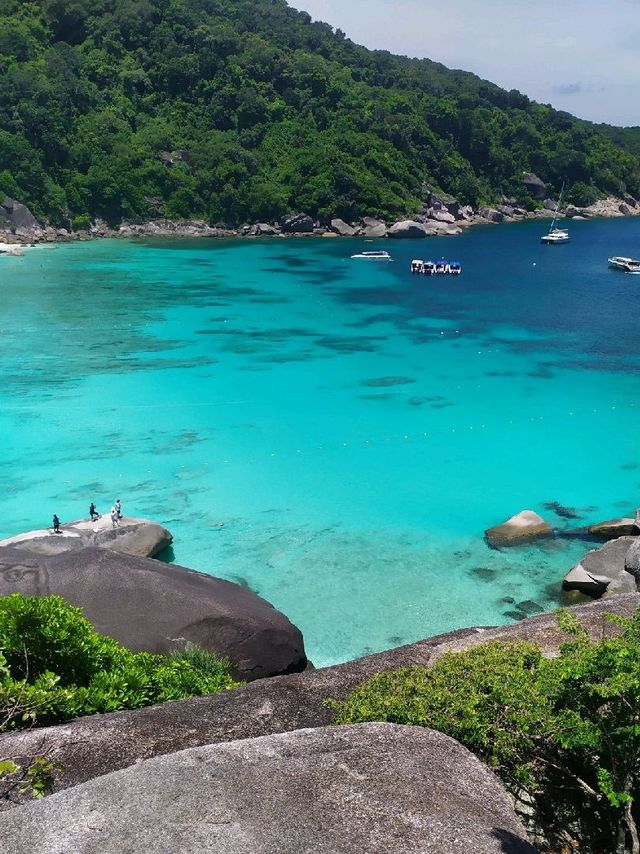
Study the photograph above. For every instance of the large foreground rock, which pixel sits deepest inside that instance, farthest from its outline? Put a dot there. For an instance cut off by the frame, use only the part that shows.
(366, 788)
(603, 570)
(133, 537)
(91, 746)
(522, 527)
(149, 605)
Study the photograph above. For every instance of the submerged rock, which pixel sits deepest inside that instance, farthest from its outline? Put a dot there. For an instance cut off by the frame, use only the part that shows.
(524, 526)
(368, 787)
(149, 605)
(133, 536)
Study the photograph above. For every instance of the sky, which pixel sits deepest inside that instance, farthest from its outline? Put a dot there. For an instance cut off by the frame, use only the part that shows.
(582, 56)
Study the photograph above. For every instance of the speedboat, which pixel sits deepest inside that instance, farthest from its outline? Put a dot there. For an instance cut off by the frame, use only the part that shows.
(556, 235)
(629, 265)
(455, 268)
(374, 255)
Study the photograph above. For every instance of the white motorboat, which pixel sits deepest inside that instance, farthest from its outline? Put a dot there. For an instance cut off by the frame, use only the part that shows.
(556, 235)
(374, 255)
(628, 265)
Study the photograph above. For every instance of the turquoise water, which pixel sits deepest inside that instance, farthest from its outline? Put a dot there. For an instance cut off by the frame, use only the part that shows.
(333, 433)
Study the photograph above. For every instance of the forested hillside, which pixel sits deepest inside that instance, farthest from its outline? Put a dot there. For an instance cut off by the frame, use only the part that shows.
(243, 110)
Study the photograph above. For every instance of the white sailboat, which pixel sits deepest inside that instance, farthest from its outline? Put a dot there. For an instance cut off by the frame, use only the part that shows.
(556, 235)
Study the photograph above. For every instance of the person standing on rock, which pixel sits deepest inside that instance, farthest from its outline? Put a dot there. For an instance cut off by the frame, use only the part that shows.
(114, 518)
(93, 513)
(117, 508)
(56, 524)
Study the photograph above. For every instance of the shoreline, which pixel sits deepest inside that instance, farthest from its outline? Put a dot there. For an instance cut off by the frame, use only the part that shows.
(432, 222)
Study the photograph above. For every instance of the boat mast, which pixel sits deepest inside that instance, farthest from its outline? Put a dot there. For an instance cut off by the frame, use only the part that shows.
(558, 203)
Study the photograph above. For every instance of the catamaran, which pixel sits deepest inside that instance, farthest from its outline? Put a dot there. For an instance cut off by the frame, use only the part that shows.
(556, 235)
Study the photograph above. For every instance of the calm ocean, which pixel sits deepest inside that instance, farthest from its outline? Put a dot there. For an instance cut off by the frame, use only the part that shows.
(333, 433)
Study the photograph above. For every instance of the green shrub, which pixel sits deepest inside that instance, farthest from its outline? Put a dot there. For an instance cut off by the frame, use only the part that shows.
(54, 666)
(81, 223)
(583, 195)
(563, 733)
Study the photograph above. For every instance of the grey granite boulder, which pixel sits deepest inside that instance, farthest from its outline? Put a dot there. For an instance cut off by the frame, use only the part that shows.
(297, 224)
(523, 527)
(339, 226)
(536, 188)
(407, 228)
(133, 536)
(373, 227)
(602, 570)
(149, 605)
(613, 528)
(91, 746)
(16, 215)
(490, 214)
(266, 229)
(632, 559)
(338, 790)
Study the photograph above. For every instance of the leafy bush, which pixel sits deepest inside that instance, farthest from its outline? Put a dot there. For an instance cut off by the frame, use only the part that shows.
(54, 666)
(583, 195)
(81, 223)
(562, 733)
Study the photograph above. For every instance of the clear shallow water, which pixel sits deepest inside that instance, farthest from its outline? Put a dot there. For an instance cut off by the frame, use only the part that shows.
(336, 434)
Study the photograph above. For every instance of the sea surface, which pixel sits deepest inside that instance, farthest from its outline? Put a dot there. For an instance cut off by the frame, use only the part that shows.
(333, 433)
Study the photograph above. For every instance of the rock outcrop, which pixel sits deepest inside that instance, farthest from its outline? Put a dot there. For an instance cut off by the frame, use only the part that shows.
(133, 536)
(523, 527)
(613, 528)
(603, 570)
(16, 216)
(339, 226)
(149, 605)
(373, 227)
(407, 228)
(95, 745)
(490, 214)
(297, 224)
(369, 787)
(536, 188)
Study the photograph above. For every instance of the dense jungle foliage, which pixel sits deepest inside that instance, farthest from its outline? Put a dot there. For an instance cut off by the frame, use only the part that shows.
(54, 666)
(562, 733)
(244, 110)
